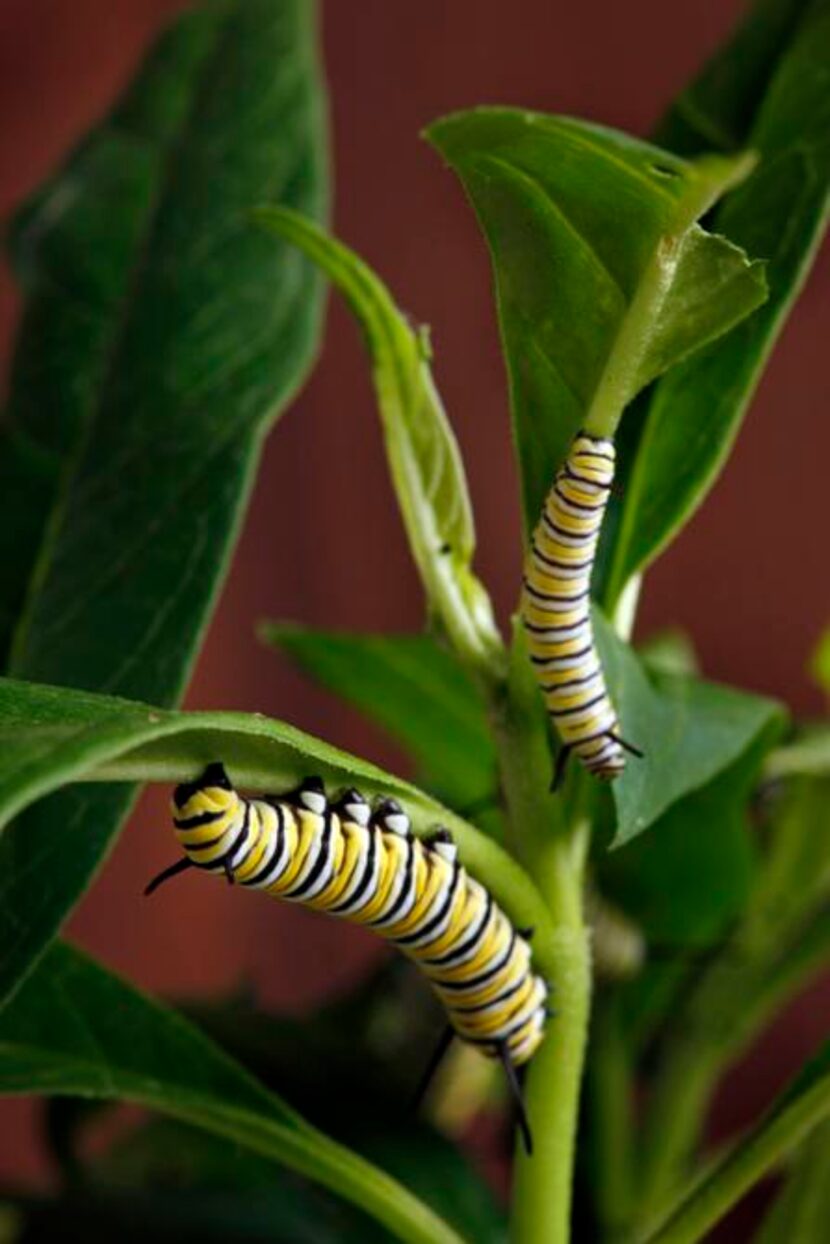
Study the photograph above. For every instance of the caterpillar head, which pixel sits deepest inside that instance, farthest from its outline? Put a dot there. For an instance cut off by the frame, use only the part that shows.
(211, 791)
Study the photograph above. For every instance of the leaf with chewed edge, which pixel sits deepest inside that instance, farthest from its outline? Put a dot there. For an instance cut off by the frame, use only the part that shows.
(603, 278)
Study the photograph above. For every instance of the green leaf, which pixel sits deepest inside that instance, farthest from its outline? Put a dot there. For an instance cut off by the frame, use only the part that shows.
(689, 730)
(603, 279)
(687, 880)
(804, 1105)
(75, 1029)
(779, 213)
(415, 690)
(424, 459)
(161, 335)
(205, 1188)
(50, 736)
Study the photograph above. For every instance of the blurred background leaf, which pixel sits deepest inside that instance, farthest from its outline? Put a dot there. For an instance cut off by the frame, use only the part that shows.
(801, 1210)
(73, 1028)
(161, 336)
(792, 1117)
(412, 687)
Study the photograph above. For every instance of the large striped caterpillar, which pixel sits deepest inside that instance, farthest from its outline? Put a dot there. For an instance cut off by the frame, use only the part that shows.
(556, 610)
(365, 864)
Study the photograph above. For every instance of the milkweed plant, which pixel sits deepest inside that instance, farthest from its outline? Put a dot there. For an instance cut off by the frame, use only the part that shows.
(173, 275)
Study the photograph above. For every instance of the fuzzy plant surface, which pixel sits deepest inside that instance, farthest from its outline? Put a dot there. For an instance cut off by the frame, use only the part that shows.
(173, 273)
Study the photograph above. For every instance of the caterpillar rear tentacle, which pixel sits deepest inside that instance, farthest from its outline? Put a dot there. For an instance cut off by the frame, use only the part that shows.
(364, 863)
(556, 612)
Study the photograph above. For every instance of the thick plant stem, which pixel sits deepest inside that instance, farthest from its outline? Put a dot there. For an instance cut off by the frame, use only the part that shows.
(542, 1190)
(555, 852)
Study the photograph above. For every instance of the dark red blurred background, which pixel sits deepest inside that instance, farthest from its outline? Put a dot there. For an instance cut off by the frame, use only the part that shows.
(392, 67)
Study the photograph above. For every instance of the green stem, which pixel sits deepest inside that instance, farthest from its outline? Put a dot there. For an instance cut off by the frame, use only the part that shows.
(617, 384)
(555, 852)
(715, 1196)
(542, 1189)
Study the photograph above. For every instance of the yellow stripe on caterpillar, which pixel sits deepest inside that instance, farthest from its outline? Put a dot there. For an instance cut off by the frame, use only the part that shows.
(365, 865)
(555, 609)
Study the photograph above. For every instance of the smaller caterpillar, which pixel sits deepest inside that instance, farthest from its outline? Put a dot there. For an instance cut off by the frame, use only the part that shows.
(555, 610)
(365, 865)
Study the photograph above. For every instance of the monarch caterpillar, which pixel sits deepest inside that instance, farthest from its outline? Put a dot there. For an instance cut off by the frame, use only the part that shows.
(364, 864)
(555, 610)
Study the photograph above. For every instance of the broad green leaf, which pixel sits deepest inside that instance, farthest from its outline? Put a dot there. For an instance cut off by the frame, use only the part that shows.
(160, 337)
(603, 278)
(689, 730)
(424, 460)
(412, 687)
(51, 736)
(688, 879)
(804, 1105)
(801, 1211)
(73, 1028)
(779, 213)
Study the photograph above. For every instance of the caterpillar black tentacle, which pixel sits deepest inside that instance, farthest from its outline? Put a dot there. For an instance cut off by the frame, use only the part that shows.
(556, 611)
(435, 1060)
(518, 1096)
(364, 863)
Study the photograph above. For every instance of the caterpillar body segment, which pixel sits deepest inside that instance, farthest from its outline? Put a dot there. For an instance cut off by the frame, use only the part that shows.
(364, 864)
(555, 610)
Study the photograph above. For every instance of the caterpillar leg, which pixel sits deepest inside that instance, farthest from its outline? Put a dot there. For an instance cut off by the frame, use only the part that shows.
(444, 1043)
(629, 747)
(166, 874)
(561, 765)
(517, 1095)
